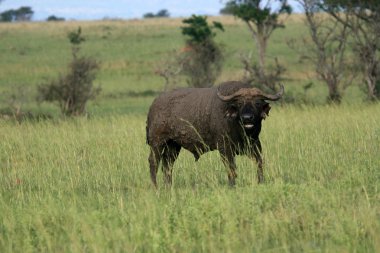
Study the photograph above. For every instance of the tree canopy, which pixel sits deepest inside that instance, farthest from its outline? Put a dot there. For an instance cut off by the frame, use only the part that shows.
(258, 11)
(160, 14)
(198, 30)
(24, 13)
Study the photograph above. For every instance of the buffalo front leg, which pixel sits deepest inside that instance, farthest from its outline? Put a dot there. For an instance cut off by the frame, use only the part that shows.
(260, 172)
(229, 162)
(256, 153)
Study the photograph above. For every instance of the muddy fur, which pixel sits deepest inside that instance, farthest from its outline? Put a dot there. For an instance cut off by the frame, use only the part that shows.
(198, 120)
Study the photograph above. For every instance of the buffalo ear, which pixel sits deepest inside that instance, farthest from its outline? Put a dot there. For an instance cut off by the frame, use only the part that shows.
(265, 111)
(231, 112)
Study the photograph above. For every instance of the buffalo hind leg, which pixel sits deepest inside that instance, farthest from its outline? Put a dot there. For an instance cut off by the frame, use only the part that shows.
(154, 161)
(169, 156)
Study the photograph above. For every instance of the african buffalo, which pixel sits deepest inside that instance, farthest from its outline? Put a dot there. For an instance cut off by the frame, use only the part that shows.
(226, 118)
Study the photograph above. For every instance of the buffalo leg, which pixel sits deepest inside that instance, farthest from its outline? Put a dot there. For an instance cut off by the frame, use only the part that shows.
(229, 162)
(170, 154)
(257, 155)
(154, 161)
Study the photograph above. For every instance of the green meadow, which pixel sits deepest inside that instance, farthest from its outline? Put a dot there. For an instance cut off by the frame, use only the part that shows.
(83, 184)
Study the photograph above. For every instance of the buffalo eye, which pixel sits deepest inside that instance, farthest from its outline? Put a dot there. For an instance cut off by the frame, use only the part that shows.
(231, 112)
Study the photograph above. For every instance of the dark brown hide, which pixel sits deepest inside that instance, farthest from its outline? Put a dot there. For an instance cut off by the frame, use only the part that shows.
(199, 120)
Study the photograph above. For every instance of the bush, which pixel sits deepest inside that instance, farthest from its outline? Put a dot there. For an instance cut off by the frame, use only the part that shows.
(73, 90)
(202, 63)
(202, 57)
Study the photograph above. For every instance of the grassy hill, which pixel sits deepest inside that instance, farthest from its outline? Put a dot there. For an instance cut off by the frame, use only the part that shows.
(131, 52)
(83, 185)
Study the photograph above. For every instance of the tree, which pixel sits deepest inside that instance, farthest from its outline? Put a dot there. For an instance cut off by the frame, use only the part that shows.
(363, 20)
(75, 38)
(327, 48)
(262, 19)
(24, 13)
(160, 14)
(54, 18)
(149, 15)
(7, 16)
(73, 90)
(228, 9)
(163, 13)
(202, 58)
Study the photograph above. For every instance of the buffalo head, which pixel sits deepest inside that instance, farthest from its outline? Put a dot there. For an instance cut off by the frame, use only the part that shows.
(249, 105)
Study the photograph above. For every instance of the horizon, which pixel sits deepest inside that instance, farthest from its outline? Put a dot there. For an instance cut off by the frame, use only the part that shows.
(116, 9)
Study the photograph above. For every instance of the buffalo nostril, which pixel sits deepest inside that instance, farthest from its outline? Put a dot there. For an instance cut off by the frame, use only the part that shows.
(247, 117)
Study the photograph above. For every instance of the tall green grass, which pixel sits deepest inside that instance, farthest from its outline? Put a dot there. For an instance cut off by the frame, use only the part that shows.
(83, 185)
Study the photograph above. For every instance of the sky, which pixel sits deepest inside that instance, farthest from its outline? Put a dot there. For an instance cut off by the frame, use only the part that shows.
(125, 9)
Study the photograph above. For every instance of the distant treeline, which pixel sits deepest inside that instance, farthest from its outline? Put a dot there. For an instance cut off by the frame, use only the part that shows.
(160, 14)
(23, 13)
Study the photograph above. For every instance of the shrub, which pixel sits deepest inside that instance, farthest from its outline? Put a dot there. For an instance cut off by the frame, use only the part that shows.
(73, 90)
(202, 57)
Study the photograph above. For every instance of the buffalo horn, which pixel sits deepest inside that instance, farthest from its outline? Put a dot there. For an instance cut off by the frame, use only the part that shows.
(275, 96)
(254, 92)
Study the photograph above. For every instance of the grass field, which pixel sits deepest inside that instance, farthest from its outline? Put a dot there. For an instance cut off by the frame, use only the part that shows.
(82, 184)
